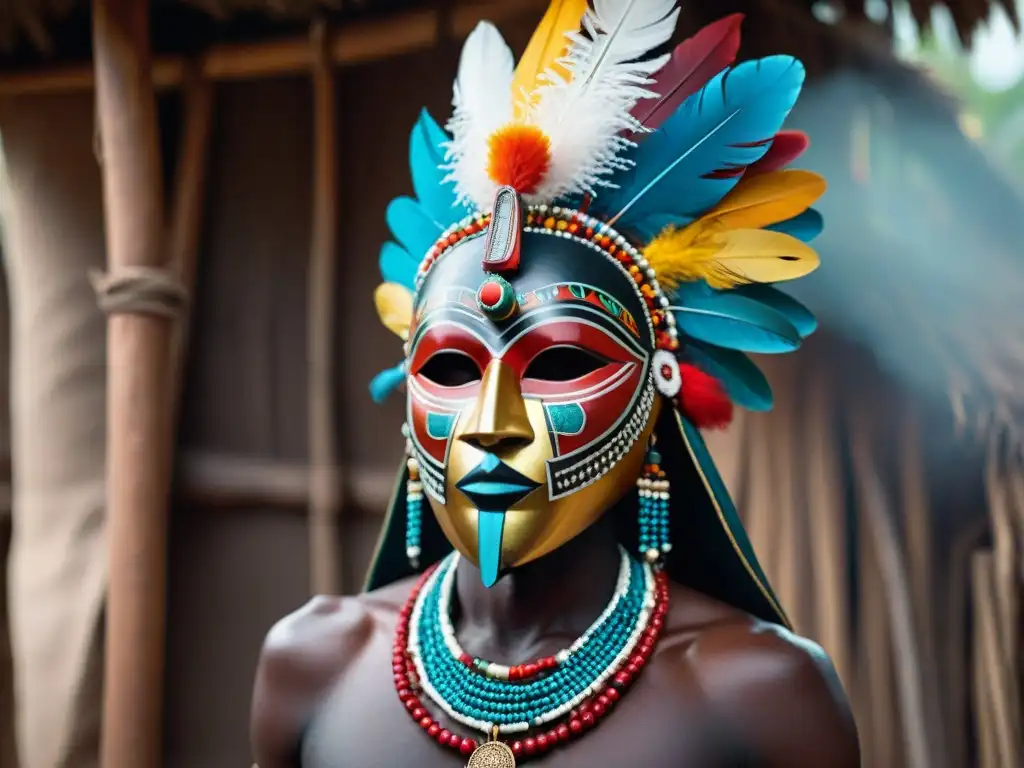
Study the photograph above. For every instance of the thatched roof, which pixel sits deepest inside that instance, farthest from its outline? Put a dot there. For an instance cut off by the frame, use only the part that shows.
(31, 23)
(36, 24)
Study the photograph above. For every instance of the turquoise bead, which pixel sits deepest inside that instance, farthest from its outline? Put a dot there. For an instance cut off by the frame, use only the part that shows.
(502, 702)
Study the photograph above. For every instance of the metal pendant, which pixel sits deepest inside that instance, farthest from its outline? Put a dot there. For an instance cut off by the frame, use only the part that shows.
(492, 754)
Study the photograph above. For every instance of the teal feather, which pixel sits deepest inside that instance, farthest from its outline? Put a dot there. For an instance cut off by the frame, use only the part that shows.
(726, 124)
(386, 382)
(411, 226)
(735, 322)
(397, 266)
(806, 226)
(426, 160)
(800, 316)
(742, 379)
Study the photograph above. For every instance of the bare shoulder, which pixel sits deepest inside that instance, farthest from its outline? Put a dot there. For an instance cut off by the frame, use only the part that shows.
(303, 654)
(780, 692)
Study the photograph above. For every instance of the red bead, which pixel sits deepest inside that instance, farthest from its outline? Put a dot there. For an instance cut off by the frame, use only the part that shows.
(404, 694)
(552, 737)
(587, 718)
(467, 746)
(426, 722)
(576, 726)
(604, 701)
(412, 704)
(419, 713)
(529, 745)
(466, 659)
(542, 742)
(563, 732)
(490, 294)
(455, 741)
(611, 694)
(517, 748)
(401, 681)
(513, 673)
(433, 730)
(622, 678)
(598, 709)
(530, 670)
(443, 736)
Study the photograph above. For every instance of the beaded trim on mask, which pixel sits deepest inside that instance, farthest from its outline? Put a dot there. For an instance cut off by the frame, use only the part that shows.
(584, 229)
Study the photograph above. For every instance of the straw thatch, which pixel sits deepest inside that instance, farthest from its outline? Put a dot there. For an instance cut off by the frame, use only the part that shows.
(31, 20)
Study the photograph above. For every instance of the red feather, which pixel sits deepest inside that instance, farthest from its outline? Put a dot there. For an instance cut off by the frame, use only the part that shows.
(692, 64)
(786, 147)
(703, 400)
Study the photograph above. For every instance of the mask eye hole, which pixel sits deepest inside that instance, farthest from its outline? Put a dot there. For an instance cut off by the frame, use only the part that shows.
(563, 364)
(450, 369)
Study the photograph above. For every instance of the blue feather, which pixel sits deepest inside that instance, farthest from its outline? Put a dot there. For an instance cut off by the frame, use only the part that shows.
(426, 158)
(735, 322)
(800, 316)
(386, 382)
(806, 226)
(726, 123)
(742, 379)
(651, 226)
(397, 266)
(411, 226)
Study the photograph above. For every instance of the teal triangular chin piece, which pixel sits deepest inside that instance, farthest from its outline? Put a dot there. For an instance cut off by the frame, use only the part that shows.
(490, 526)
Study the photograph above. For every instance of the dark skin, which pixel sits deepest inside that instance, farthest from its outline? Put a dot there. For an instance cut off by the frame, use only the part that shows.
(721, 690)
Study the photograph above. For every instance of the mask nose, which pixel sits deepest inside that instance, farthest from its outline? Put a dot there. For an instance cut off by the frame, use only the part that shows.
(499, 416)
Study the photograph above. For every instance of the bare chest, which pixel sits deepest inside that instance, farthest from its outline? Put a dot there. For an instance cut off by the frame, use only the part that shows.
(361, 724)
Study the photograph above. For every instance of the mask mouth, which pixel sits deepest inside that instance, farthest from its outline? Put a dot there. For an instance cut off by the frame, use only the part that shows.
(494, 486)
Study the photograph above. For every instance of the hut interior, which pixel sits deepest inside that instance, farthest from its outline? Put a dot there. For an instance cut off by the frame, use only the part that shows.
(191, 207)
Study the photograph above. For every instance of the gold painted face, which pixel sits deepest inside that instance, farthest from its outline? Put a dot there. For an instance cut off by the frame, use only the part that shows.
(528, 430)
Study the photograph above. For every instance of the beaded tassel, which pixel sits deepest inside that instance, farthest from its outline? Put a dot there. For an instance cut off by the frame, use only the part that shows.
(653, 515)
(413, 513)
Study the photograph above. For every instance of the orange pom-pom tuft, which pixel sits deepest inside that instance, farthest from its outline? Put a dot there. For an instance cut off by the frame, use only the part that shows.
(519, 156)
(703, 400)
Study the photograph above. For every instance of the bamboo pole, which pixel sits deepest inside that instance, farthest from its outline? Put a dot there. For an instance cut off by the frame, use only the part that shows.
(225, 481)
(324, 478)
(138, 425)
(356, 43)
(187, 213)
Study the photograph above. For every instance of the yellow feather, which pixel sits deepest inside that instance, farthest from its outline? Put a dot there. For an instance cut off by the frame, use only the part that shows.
(767, 199)
(547, 45)
(394, 306)
(726, 258)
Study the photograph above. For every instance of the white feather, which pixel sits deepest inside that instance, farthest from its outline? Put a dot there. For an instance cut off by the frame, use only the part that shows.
(482, 100)
(585, 115)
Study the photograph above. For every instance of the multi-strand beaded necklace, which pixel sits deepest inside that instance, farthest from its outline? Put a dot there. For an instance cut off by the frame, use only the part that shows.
(526, 709)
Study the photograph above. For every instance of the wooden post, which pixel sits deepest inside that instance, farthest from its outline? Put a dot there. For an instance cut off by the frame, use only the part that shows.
(324, 481)
(139, 434)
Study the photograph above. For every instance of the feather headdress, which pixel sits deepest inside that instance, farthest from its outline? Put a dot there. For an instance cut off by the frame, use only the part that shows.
(680, 154)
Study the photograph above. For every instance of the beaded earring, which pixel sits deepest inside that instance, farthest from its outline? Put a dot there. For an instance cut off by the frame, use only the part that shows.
(653, 490)
(413, 510)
